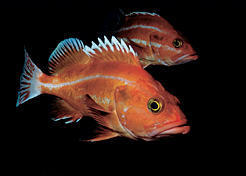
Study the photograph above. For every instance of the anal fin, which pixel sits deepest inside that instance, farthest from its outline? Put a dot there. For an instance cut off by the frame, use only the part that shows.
(64, 111)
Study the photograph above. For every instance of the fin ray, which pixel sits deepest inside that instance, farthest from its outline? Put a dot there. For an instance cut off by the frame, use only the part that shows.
(67, 52)
(29, 81)
(71, 51)
(103, 134)
(63, 111)
(113, 51)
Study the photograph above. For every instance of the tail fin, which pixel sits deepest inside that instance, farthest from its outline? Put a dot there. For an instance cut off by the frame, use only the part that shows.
(29, 81)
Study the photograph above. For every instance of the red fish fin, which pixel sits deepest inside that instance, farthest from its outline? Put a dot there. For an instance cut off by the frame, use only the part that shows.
(29, 81)
(103, 134)
(69, 51)
(97, 112)
(63, 111)
(92, 104)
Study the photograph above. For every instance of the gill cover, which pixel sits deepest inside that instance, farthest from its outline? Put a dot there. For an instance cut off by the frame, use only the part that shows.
(132, 110)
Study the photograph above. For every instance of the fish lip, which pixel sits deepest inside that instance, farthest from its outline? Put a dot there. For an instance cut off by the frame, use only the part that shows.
(179, 127)
(175, 130)
(193, 56)
(186, 58)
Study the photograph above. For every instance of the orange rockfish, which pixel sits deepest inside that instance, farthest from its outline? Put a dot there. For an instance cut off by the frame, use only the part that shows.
(155, 40)
(107, 83)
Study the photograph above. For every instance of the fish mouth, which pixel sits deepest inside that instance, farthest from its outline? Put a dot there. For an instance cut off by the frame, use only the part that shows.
(173, 128)
(186, 58)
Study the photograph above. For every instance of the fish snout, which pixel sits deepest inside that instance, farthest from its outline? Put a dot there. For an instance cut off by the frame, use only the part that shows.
(174, 123)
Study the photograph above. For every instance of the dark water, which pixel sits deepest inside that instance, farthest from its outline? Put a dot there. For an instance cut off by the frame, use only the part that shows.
(48, 148)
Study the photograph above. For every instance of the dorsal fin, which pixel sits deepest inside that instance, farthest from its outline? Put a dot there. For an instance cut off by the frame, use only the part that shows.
(67, 52)
(72, 51)
(113, 50)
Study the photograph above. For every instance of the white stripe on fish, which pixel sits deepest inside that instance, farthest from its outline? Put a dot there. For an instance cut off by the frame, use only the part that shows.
(155, 44)
(182, 57)
(52, 86)
(138, 41)
(172, 49)
(140, 26)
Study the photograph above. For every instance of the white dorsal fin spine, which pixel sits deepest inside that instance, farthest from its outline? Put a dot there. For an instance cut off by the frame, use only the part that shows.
(73, 50)
(89, 50)
(64, 48)
(87, 53)
(94, 46)
(107, 42)
(118, 43)
(124, 45)
(120, 46)
(102, 44)
(115, 42)
(132, 51)
(114, 46)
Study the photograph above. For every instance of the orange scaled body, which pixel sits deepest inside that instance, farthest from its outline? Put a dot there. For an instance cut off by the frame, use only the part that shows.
(107, 83)
(155, 40)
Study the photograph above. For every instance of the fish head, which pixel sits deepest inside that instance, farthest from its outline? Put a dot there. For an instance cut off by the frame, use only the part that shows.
(171, 48)
(149, 113)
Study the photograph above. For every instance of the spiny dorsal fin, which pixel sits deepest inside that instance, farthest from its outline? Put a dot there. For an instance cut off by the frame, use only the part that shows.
(72, 51)
(67, 52)
(113, 50)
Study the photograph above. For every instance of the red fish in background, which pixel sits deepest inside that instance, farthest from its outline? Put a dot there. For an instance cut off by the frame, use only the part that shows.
(155, 40)
(105, 82)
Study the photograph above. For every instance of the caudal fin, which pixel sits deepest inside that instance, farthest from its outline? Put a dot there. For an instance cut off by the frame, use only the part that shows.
(29, 81)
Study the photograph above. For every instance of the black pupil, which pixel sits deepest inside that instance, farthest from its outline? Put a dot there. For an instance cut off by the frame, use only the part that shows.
(154, 105)
(177, 42)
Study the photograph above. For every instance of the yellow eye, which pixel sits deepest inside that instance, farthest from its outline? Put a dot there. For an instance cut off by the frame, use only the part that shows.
(154, 105)
(178, 43)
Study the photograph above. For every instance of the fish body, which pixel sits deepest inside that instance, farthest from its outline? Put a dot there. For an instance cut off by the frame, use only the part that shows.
(105, 82)
(155, 40)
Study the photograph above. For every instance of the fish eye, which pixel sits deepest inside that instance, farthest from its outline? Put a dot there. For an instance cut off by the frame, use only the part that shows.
(178, 43)
(154, 105)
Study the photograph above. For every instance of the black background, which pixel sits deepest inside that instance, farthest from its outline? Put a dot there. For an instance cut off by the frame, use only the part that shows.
(45, 148)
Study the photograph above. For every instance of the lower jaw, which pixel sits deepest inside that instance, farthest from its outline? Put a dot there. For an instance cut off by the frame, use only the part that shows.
(187, 59)
(176, 130)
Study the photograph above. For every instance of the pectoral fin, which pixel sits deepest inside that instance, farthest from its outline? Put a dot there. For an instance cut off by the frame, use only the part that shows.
(91, 104)
(103, 134)
(98, 113)
(110, 124)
